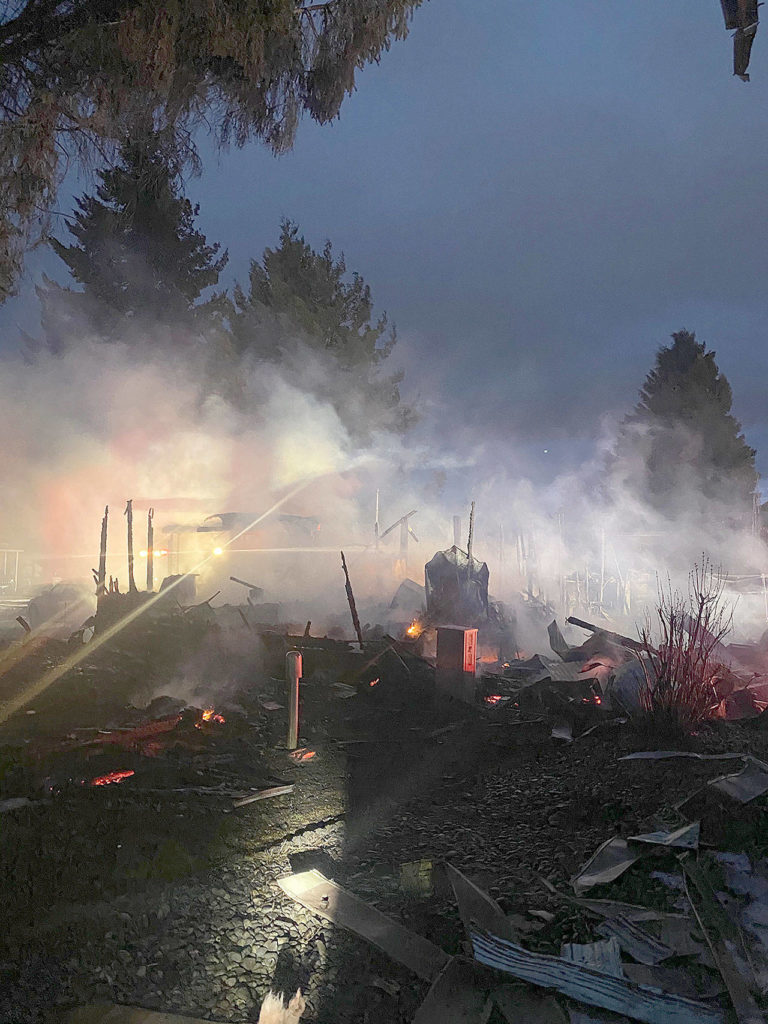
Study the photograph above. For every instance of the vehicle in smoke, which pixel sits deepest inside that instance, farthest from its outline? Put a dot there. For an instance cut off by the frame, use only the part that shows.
(241, 530)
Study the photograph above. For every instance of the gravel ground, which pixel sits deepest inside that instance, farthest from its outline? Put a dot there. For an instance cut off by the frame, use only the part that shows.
(207, 932)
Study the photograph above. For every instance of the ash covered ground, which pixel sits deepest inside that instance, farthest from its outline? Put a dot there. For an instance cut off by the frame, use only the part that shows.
(153, 889)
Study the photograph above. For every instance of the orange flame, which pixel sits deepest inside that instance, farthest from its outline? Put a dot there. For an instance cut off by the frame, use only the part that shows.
(414, 629)
(210, 715)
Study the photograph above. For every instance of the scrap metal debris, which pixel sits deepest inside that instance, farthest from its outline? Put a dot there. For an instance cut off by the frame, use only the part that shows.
(746, 785)
(590, 986)
(457, 996)
(604, 956)
(640, 944)
(606, 864)
(685, 838)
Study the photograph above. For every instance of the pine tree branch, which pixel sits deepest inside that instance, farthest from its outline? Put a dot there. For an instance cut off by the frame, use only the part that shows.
(38, 26)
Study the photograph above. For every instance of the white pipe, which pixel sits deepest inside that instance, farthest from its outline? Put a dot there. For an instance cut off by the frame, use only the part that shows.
(292, 677)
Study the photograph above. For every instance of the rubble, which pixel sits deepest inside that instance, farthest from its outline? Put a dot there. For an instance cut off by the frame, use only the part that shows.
(412, 854)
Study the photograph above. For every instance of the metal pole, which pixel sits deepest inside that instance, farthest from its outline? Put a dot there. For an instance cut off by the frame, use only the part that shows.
(292, 677)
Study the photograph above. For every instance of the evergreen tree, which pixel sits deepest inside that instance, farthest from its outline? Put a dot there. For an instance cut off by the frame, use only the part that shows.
(77, 78)
(682, 443)
(302, 312)
(138, 258)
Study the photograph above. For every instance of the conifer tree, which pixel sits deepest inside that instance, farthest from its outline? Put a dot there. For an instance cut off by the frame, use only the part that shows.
(77, 78)
(681, 448)
(301, 311)
(138, 259)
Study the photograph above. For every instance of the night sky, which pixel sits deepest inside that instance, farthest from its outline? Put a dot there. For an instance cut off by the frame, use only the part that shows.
(538, 195)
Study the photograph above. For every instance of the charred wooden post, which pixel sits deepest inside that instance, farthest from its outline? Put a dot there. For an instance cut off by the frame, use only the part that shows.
(255, 593)
(150, 550)
(405, 530)
(615, 638)
(501, 557)
(470, 539)
(129, 514)
(351, 600)
(293, 670)
(101, 577)
(403, 556)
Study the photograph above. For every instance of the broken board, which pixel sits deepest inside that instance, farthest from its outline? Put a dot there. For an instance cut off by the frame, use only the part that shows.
(315, 892)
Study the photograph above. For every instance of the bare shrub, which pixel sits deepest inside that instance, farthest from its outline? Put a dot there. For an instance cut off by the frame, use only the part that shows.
(680, 665)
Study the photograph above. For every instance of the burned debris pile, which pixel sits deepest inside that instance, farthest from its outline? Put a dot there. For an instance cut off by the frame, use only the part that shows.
(419, 822)
(619, 675)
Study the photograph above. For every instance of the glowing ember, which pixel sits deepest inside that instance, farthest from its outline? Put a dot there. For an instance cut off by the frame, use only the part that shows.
(209, 715)
(374, 682)
(494, 699)
(302, 754)
(107, 780)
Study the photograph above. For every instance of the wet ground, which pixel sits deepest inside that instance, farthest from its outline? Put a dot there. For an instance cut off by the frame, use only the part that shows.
(147, 893)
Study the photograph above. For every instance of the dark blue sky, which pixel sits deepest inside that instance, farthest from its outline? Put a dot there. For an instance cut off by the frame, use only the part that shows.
(538, 194)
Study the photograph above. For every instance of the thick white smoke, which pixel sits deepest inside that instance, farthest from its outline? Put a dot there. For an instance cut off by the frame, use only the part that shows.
(101, 424)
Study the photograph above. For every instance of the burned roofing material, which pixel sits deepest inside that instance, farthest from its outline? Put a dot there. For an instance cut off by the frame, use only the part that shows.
(741, 15)
(455, 592)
